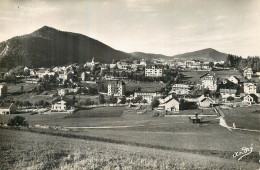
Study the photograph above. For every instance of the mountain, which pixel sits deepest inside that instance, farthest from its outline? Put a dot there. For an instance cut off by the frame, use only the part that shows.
(148, 56)
(48, 47)
(207, 54)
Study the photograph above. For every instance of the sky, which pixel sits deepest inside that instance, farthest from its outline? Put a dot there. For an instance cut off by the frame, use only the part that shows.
(166, 27)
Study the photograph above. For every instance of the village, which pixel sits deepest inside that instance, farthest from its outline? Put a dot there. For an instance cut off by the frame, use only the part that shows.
(161, 84)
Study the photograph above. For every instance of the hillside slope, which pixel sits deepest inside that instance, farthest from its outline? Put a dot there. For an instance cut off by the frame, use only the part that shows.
(47, 47)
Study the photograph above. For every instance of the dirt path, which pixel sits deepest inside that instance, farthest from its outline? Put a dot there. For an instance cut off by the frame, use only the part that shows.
(223, 122)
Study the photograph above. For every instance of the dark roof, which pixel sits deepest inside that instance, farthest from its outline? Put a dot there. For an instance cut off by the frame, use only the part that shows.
(5, 105)
(254, 97)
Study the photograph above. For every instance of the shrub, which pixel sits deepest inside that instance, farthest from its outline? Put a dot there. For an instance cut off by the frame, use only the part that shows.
(17, 121)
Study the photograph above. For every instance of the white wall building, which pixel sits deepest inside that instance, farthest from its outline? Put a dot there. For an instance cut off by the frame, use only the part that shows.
(148, 96)
(59, 106)
(249, 88)
(209, 81)
(154, 71)
(248, 73)
(116, 87)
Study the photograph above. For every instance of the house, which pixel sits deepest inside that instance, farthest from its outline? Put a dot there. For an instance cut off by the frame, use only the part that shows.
(59, 106)
(42, 73)
(180, 89)
(171, 104)
(63, 92)
(122, 65)
(116, 87)
(148, 96)
(90, 64)
(249, 88)
(3, 91)
(153, 71)
(234, 79)
(225, 93)
(250, 98)
(247, 72)
(7, 108)
(209, 81)
(205, 102)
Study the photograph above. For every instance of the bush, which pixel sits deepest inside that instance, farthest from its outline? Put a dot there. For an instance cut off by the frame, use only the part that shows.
(17, 121)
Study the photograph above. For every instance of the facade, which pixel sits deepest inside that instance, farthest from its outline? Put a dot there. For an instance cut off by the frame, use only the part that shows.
(234, 79)
(225, 93)
(59, 106)
(90, 64)
(180, 89)
(205, 102)
(3, 91)
(7, 108)
(42, 73)
(63, 92)
(249, 88)
(154, 71)
(209, 81)
(148, 96)
(116, 87)
(250, 98)
(170, 103)
(248, 73)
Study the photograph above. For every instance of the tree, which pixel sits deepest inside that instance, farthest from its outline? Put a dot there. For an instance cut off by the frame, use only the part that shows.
(102, 99)
(230, 98)
(17, 121)
(211, 64)
(155, 103)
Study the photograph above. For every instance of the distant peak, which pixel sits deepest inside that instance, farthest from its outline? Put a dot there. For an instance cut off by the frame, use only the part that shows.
(46, 28)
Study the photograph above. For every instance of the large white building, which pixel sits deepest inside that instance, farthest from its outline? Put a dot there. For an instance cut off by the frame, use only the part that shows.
(154, 71)
(209, 81)
(148, 96)
(116, 87)
(249, 88)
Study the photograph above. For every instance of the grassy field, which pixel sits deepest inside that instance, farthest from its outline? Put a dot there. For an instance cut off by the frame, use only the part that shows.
(20, 150)
(244, 117)
(162, 135)
(99, 112)
(145, 86)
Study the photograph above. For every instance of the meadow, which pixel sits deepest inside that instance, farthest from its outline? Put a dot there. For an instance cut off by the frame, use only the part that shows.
(25, 150)
(162, 135)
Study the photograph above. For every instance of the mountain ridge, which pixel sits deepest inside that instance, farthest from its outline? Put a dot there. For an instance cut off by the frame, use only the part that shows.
(47, 47)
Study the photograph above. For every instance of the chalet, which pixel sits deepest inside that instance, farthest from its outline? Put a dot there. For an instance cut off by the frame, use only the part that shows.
(247, 72)
(225, 93)
(170, 103)
(250, 98)
(234, 79)
(59, 106)
(3, 91)
(116, 87)
(249, 88)
(205, 102)
(7, 108)
(148, 96)
(209, 81)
